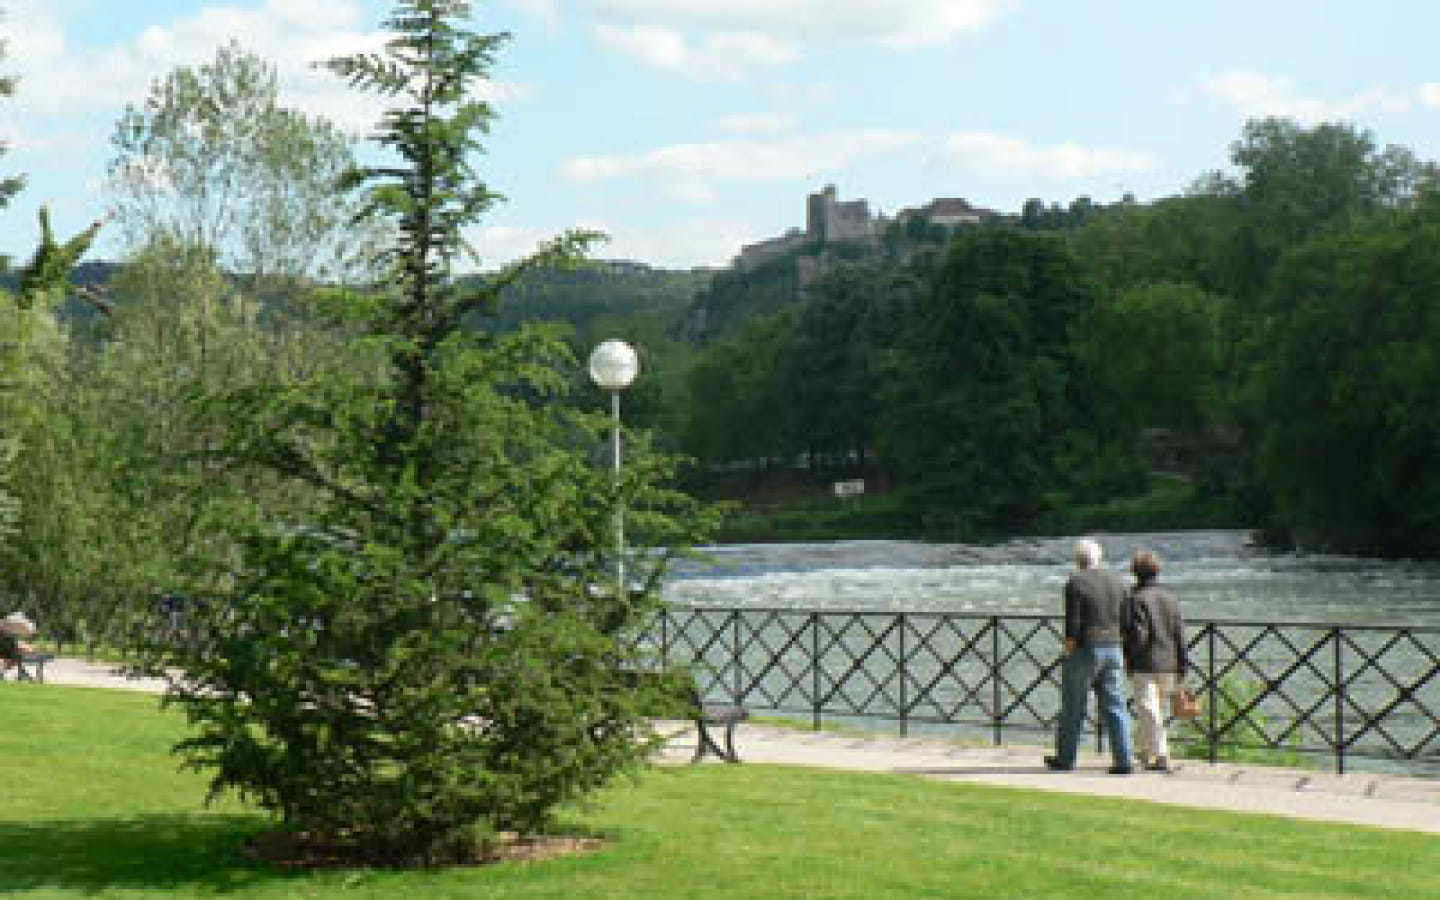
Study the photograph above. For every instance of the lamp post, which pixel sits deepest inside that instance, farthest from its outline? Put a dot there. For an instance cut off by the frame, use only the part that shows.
(613, 367)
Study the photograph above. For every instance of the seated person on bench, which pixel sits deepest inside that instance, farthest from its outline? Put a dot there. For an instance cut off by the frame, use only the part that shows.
(13, 650)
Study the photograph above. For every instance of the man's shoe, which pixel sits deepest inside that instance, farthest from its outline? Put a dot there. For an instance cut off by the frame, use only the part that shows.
(1160, 764)
(1121, 770)
(1054, 764)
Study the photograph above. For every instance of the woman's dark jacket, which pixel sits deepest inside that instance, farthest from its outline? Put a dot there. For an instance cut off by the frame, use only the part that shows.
(1154, 631)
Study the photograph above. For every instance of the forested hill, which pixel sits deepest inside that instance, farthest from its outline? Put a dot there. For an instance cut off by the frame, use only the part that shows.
(590, 298)
(598, 296)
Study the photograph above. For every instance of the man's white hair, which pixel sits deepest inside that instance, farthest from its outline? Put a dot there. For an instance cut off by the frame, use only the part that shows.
(1088, 553)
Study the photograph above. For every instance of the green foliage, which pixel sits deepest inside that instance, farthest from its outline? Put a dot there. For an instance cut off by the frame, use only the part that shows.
(434, 645)
(1348, 384)
(1164, 348)
(734, 297)
(736, 381)
(983, 412)
(33, 353)
(821, 516)
(1193, 239)
(1166, 504)
(1299, 182)
(44, 280)
(587, 296)
(10, 185)
(10, 358)
(1244, 731)
(853, 316)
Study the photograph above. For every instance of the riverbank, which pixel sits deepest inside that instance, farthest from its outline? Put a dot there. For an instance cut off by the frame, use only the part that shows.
(799, 511)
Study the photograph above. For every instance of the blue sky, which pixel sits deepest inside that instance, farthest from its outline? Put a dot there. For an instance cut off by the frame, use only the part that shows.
(685, 128)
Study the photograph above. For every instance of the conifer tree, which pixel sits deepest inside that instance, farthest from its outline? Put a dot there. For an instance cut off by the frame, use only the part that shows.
(430, 648)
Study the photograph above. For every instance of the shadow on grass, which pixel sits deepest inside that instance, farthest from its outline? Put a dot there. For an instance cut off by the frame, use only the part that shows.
(156, 852)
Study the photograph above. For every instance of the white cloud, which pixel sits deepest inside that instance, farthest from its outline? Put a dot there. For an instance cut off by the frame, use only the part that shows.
(901, 23)
(722, 56)
(60, 79)
(682, 244)
(1429, 95)
(290, 33)
(691, 171)
(756, 123)
(989, 153)
(1257, 95)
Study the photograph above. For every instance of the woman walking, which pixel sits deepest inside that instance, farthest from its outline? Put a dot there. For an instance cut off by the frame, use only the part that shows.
(1155, 657)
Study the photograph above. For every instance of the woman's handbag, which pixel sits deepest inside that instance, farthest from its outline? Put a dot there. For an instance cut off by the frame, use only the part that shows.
(1185, 704)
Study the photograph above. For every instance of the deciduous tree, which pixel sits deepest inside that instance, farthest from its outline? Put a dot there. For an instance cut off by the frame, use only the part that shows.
(212, 159)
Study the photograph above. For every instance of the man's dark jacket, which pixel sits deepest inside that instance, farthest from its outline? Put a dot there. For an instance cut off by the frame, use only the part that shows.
(1094, 605)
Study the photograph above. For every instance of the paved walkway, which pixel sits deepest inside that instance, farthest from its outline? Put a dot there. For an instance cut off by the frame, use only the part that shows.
(1384, 801)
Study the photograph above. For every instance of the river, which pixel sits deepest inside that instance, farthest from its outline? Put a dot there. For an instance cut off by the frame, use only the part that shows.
(1217, 575)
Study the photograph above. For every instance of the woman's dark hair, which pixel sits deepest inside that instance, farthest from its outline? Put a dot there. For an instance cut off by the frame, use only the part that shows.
(1146, 564)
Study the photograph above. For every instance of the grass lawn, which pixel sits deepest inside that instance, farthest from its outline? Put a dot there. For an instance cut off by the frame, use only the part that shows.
(96, 809)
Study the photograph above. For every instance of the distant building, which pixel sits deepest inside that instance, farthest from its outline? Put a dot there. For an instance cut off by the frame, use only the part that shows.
(830, 221)
(949, 212)
(756, 254)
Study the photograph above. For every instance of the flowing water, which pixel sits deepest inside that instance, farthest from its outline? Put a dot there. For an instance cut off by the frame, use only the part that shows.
(1216, 574)
(1219, 576)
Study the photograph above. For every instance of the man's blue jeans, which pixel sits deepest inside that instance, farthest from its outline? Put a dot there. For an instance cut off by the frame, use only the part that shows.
(1103, 669)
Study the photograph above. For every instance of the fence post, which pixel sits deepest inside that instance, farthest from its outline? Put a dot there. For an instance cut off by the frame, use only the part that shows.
(665, 638)
(738, 661)
(995, 717)
(901, 669)
(815, 701)
(1339, 702)
(1210, 736)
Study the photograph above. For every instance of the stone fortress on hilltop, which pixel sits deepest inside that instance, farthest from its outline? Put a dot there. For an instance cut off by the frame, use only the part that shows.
(830, 221)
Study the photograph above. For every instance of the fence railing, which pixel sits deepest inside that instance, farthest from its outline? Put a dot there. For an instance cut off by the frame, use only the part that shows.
(1272, 690)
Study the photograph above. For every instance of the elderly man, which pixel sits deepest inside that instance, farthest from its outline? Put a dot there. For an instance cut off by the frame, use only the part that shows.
(1093, 659)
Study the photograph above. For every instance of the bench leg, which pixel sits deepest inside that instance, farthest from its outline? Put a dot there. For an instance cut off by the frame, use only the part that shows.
(730, 755)
(704, 743)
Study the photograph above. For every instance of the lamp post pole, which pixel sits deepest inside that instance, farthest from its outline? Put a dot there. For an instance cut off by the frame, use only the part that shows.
(619, 506)
(613, 367)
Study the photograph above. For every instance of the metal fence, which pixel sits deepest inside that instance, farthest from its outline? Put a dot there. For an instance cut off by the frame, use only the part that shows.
(1271, 690)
